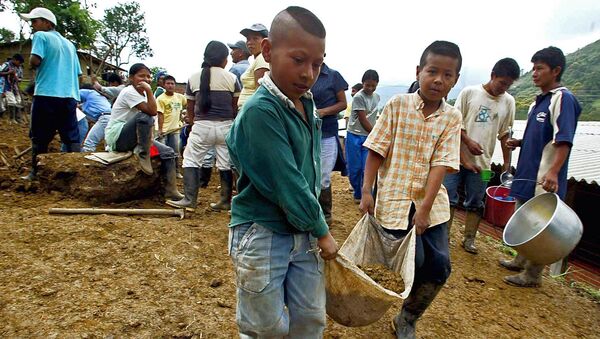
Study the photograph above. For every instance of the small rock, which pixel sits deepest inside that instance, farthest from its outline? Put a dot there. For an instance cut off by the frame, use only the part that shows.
(135, 324)
(216, 283)
(223, 304)
(48, 292)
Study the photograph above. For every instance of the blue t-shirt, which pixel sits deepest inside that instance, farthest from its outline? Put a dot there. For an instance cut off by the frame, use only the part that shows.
(94, 103)
(324, 91)
(552, 119)
(58, 74)
(239, 68)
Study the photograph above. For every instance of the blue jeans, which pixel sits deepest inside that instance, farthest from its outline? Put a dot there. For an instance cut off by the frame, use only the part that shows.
(273, 271)
(356, 157)
(474, 188)
(171, 140)
(329, 151)
(82, 126)
(96, 134)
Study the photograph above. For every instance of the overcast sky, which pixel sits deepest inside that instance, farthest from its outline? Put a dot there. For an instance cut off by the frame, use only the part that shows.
(388, 36)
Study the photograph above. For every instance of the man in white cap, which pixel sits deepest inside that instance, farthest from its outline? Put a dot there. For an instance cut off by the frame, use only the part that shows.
(56, 86)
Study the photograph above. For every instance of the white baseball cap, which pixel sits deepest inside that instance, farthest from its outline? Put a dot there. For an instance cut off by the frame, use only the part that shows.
(39, 12)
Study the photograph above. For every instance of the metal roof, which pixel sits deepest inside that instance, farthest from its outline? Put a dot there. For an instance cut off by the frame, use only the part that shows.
(584, 163)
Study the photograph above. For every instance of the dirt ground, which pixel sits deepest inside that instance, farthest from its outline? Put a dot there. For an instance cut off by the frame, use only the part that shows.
(118, 276)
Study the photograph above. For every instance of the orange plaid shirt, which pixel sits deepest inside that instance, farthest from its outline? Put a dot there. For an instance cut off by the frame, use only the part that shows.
(411, 144)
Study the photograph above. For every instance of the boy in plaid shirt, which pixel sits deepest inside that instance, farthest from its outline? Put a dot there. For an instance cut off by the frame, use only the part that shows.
(412, 146)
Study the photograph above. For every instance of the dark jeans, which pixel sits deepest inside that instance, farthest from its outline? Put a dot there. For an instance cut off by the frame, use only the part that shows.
(432, 257)
(49, 115)
(141, 124)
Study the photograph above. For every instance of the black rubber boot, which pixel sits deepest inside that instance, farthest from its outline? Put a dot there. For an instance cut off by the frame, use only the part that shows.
(531, 276)
(34, 164)
(414, 306)
(142, 149)
(18, 113)
(12, 115)
(170, 174)
(191, 184)
(226, 189)
(516, 264)
(205, 174)
(325, 200)
(471, 226)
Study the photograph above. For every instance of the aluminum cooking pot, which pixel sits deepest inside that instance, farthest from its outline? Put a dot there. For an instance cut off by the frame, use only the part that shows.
(544, 229)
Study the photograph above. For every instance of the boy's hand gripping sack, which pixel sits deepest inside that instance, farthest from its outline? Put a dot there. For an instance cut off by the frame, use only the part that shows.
(353, 298)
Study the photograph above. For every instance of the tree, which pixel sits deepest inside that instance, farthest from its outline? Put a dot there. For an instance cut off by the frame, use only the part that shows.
(123, 33)
(6, 35)
(74, 22)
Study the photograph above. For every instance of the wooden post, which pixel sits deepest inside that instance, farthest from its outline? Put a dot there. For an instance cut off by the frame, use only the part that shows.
(119, 211)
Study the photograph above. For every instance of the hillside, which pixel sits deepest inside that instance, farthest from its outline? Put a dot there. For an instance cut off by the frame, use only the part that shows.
(582, 77)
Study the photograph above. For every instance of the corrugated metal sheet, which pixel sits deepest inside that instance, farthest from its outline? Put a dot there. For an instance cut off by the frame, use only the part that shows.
(584, 163)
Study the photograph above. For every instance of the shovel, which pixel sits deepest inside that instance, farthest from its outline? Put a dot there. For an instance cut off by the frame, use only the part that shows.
(506, 178)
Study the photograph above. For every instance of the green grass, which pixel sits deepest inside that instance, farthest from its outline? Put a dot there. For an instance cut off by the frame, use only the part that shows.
(586, 290)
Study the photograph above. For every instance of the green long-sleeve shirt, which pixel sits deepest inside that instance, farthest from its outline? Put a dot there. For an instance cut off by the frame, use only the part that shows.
(277, 155)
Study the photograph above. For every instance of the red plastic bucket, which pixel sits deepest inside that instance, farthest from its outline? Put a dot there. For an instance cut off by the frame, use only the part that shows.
(499, 206)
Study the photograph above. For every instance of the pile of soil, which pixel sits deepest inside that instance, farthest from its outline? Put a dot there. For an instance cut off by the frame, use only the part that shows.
(118, 276)
(384, 277)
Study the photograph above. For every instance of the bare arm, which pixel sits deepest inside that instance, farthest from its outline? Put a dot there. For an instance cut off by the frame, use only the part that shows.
(161, 121)
(466, 163)
(421, 220)
(374, 161)
(148, 107)
(234, 104)
(334, 109)
(473, 146)
(550, 179)
(190, 111)
(258, 74)
(362, 118)
(35, 61)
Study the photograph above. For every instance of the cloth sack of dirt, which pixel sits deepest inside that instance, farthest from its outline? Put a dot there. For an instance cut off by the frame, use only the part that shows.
(370, 244)
(353, 298)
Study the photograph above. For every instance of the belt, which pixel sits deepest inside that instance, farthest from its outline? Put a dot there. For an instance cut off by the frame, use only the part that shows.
(108, 113)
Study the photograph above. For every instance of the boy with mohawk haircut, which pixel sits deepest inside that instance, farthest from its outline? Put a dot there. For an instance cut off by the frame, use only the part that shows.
(278, 234)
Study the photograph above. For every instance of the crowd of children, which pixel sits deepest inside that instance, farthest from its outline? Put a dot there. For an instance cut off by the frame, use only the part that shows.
(273, 124)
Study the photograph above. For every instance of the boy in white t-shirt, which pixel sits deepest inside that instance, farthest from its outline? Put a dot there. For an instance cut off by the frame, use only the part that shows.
(488, 111)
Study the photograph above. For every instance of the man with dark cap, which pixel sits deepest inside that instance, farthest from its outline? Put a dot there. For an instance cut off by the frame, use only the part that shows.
(254, 37)
(239, 54)
(159, 77)
(56, 90)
